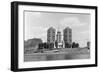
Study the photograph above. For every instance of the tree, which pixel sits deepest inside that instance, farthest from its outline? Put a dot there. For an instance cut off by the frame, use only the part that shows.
(45, 45)
(88, 45)
(73, 45)
(66, 44)
(40, 46)
(51, 45)
(69, 45)
(76, 45)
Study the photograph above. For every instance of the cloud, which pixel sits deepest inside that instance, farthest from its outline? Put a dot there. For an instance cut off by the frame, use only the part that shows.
(85, 33)
(34, 14)
(36, 32)
(71, 21)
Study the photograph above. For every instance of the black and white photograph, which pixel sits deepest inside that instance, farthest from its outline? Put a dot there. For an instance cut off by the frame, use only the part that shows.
(52, 36)
(56, 36)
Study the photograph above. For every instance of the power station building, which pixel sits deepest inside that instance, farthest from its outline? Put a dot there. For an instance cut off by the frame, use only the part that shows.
(51, 35)
(67, 35)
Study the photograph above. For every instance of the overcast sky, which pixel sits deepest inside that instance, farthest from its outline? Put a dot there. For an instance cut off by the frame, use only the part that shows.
(37, 23)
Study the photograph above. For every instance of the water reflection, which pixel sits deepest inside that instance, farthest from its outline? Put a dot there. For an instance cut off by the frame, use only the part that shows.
(42, 57)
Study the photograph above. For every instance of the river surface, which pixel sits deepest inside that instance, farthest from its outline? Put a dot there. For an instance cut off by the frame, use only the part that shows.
(56, 56)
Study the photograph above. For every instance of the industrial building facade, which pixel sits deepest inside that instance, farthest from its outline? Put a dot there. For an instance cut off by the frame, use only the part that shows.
(67, 35)
(52, 37)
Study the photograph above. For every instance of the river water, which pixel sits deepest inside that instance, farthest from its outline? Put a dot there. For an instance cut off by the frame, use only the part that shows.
(56, 56)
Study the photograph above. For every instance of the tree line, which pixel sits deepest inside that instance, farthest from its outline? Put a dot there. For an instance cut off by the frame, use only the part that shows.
(73, 45)
(50, 46)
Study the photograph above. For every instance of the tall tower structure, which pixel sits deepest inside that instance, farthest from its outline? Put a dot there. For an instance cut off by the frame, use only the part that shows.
(51, 35)
(59, 39)
(58, 36)
(67, 35)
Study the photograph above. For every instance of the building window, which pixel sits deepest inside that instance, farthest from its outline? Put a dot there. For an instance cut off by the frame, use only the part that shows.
(69, 31)
(69, 35)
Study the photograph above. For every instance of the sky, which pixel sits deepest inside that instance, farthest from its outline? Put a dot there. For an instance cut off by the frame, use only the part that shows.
(37, 24)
